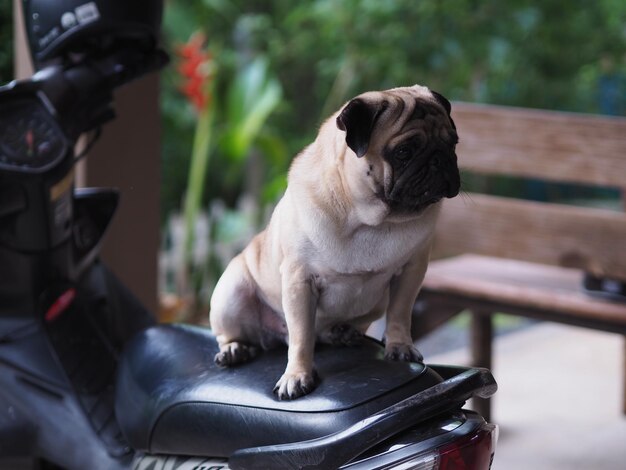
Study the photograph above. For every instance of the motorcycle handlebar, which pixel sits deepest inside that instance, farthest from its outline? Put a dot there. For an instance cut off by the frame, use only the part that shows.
(80, 94)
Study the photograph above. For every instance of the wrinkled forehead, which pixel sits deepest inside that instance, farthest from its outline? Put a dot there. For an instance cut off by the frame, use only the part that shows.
(409, 111)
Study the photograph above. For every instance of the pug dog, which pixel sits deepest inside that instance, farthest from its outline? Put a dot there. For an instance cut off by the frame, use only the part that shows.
(350, 239)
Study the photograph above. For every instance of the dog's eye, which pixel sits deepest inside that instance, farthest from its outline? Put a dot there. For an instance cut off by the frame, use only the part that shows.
(406, 150)
(403, 152)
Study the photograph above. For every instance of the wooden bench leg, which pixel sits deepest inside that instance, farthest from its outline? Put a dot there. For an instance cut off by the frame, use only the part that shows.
(429, 313)
(481, 338)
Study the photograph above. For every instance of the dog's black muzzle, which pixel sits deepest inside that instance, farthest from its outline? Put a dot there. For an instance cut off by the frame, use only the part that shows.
(424, 181)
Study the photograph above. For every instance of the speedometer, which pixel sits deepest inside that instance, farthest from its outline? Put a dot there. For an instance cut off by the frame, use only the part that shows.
(30, 138)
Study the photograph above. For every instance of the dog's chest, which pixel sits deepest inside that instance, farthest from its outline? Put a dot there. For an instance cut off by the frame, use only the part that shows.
(353, 273)
(369, 250)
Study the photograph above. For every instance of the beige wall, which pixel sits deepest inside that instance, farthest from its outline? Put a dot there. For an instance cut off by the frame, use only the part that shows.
(22, 64)
(128, 157)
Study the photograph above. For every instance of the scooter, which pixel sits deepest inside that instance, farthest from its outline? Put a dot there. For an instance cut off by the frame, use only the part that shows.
(89, 380)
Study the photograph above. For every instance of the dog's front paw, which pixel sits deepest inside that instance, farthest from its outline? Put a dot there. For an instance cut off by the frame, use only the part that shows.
(291, 386)
(235, 353)
(403, 352)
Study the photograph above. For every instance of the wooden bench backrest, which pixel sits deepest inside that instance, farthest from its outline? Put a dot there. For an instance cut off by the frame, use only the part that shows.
(545, 145)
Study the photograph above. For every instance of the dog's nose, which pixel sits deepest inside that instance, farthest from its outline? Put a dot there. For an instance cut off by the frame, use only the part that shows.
(453, 186)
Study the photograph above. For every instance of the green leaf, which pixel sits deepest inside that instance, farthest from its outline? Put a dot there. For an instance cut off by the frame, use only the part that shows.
(197, 177)
(251, 99)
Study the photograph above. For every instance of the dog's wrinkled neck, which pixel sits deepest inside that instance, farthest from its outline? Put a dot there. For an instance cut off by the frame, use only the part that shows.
(367, 207)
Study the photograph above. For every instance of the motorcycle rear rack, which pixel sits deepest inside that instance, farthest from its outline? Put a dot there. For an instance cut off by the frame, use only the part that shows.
(335, 450)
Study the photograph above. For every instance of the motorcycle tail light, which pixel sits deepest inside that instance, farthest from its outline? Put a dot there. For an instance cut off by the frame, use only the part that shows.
(473, 452)
(470, 452)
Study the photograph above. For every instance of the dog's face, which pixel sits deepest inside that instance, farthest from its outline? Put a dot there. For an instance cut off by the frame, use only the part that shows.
(407, 140)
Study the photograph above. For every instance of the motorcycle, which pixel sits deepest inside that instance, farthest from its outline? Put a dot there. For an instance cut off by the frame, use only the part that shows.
(88, 379)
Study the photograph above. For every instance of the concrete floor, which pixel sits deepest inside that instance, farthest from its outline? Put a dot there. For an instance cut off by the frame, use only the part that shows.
(558, 405)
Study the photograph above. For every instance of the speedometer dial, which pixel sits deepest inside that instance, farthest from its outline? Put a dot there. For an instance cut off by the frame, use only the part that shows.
(29, 136)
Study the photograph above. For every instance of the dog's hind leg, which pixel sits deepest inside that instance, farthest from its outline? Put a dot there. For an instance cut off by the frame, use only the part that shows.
(235, 316)
(235, 352)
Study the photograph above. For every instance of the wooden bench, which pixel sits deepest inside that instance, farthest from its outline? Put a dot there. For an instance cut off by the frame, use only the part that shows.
(496, 254)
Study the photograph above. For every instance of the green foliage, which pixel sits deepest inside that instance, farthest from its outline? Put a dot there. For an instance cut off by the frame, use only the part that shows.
(246, 92)
(231, 142)
(251, 98)
(200, 155)
(6, 41)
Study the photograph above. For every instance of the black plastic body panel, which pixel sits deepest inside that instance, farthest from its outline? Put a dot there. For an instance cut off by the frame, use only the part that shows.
(57, 376)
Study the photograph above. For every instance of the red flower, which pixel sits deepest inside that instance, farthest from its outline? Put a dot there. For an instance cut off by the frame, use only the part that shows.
(195, 66)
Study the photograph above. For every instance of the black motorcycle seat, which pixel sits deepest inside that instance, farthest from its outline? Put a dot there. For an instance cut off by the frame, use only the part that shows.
(172, 398)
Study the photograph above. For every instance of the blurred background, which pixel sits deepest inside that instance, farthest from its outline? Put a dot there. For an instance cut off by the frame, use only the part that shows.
(251, 81)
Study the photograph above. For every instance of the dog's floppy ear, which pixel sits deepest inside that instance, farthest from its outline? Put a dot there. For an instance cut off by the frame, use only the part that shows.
(357, 118)
(443, 101)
